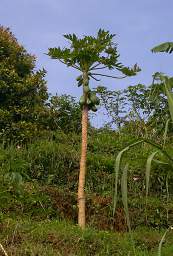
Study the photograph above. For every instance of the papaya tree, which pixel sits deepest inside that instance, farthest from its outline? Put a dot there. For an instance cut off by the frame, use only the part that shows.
(89, 55)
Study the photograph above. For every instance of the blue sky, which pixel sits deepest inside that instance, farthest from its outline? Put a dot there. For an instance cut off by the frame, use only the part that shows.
(139, 25)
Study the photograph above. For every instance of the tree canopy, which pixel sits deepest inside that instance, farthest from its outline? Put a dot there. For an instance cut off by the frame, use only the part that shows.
(23, 90)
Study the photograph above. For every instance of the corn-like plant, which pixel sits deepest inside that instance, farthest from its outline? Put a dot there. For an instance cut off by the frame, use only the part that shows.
(116, 171)
(168, 85)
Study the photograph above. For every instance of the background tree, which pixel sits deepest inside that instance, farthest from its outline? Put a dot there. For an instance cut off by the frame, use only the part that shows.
(65, 114)
(113, 101)
(141, 110)
(23, 91)
(88, 55)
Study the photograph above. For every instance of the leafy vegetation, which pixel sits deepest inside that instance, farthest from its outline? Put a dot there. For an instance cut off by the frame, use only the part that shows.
(129, 160)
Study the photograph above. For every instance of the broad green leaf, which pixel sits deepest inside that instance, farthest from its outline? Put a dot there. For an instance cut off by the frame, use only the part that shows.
(124, 195)
(148, 170)
(164, 47)
(160, 162)
(116, 171)
(117, 168)
(161, 149)
(124, 192)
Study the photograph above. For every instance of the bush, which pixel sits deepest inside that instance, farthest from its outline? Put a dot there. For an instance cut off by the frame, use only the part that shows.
(52, 162)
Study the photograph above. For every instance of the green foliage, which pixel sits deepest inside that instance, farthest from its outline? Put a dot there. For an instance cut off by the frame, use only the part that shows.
(30, 175)
(148, 170)
(23, 90)
(164, 47)
(25, 237)
(52, 162)
(44, 160)
(48, 167)
(89, 50)
(138, 110)
(64, 114)
(117, 170)
(89, 54)
(25, 112)
(162, 241)
(167, 83)
(168, 89)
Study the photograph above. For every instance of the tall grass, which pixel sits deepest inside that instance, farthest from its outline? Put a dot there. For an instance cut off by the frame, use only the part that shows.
(160, 148)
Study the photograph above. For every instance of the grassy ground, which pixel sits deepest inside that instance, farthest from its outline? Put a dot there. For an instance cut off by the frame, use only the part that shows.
(38, 212)
(50, 238)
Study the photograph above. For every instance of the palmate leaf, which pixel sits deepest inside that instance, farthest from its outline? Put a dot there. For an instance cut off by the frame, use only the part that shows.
(164, 47)
(56, 53)
(60, 54)
(92, 52)
(130, 71)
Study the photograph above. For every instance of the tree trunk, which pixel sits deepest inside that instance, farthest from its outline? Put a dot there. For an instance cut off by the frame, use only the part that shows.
(82, 172)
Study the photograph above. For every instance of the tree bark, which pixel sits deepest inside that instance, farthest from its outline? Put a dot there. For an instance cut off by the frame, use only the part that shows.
(82, 172)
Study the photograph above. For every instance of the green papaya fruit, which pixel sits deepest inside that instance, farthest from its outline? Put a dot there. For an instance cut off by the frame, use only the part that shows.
(88, 101)
(94, 99)
(97, 101)
(86, 82)
(86, 88)
(82, 100)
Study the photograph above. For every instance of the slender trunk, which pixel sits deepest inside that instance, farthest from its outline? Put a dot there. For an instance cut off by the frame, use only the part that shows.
(82, 172)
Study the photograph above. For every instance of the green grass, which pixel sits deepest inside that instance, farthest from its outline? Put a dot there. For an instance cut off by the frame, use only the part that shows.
(44, 238)
(38, 216)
